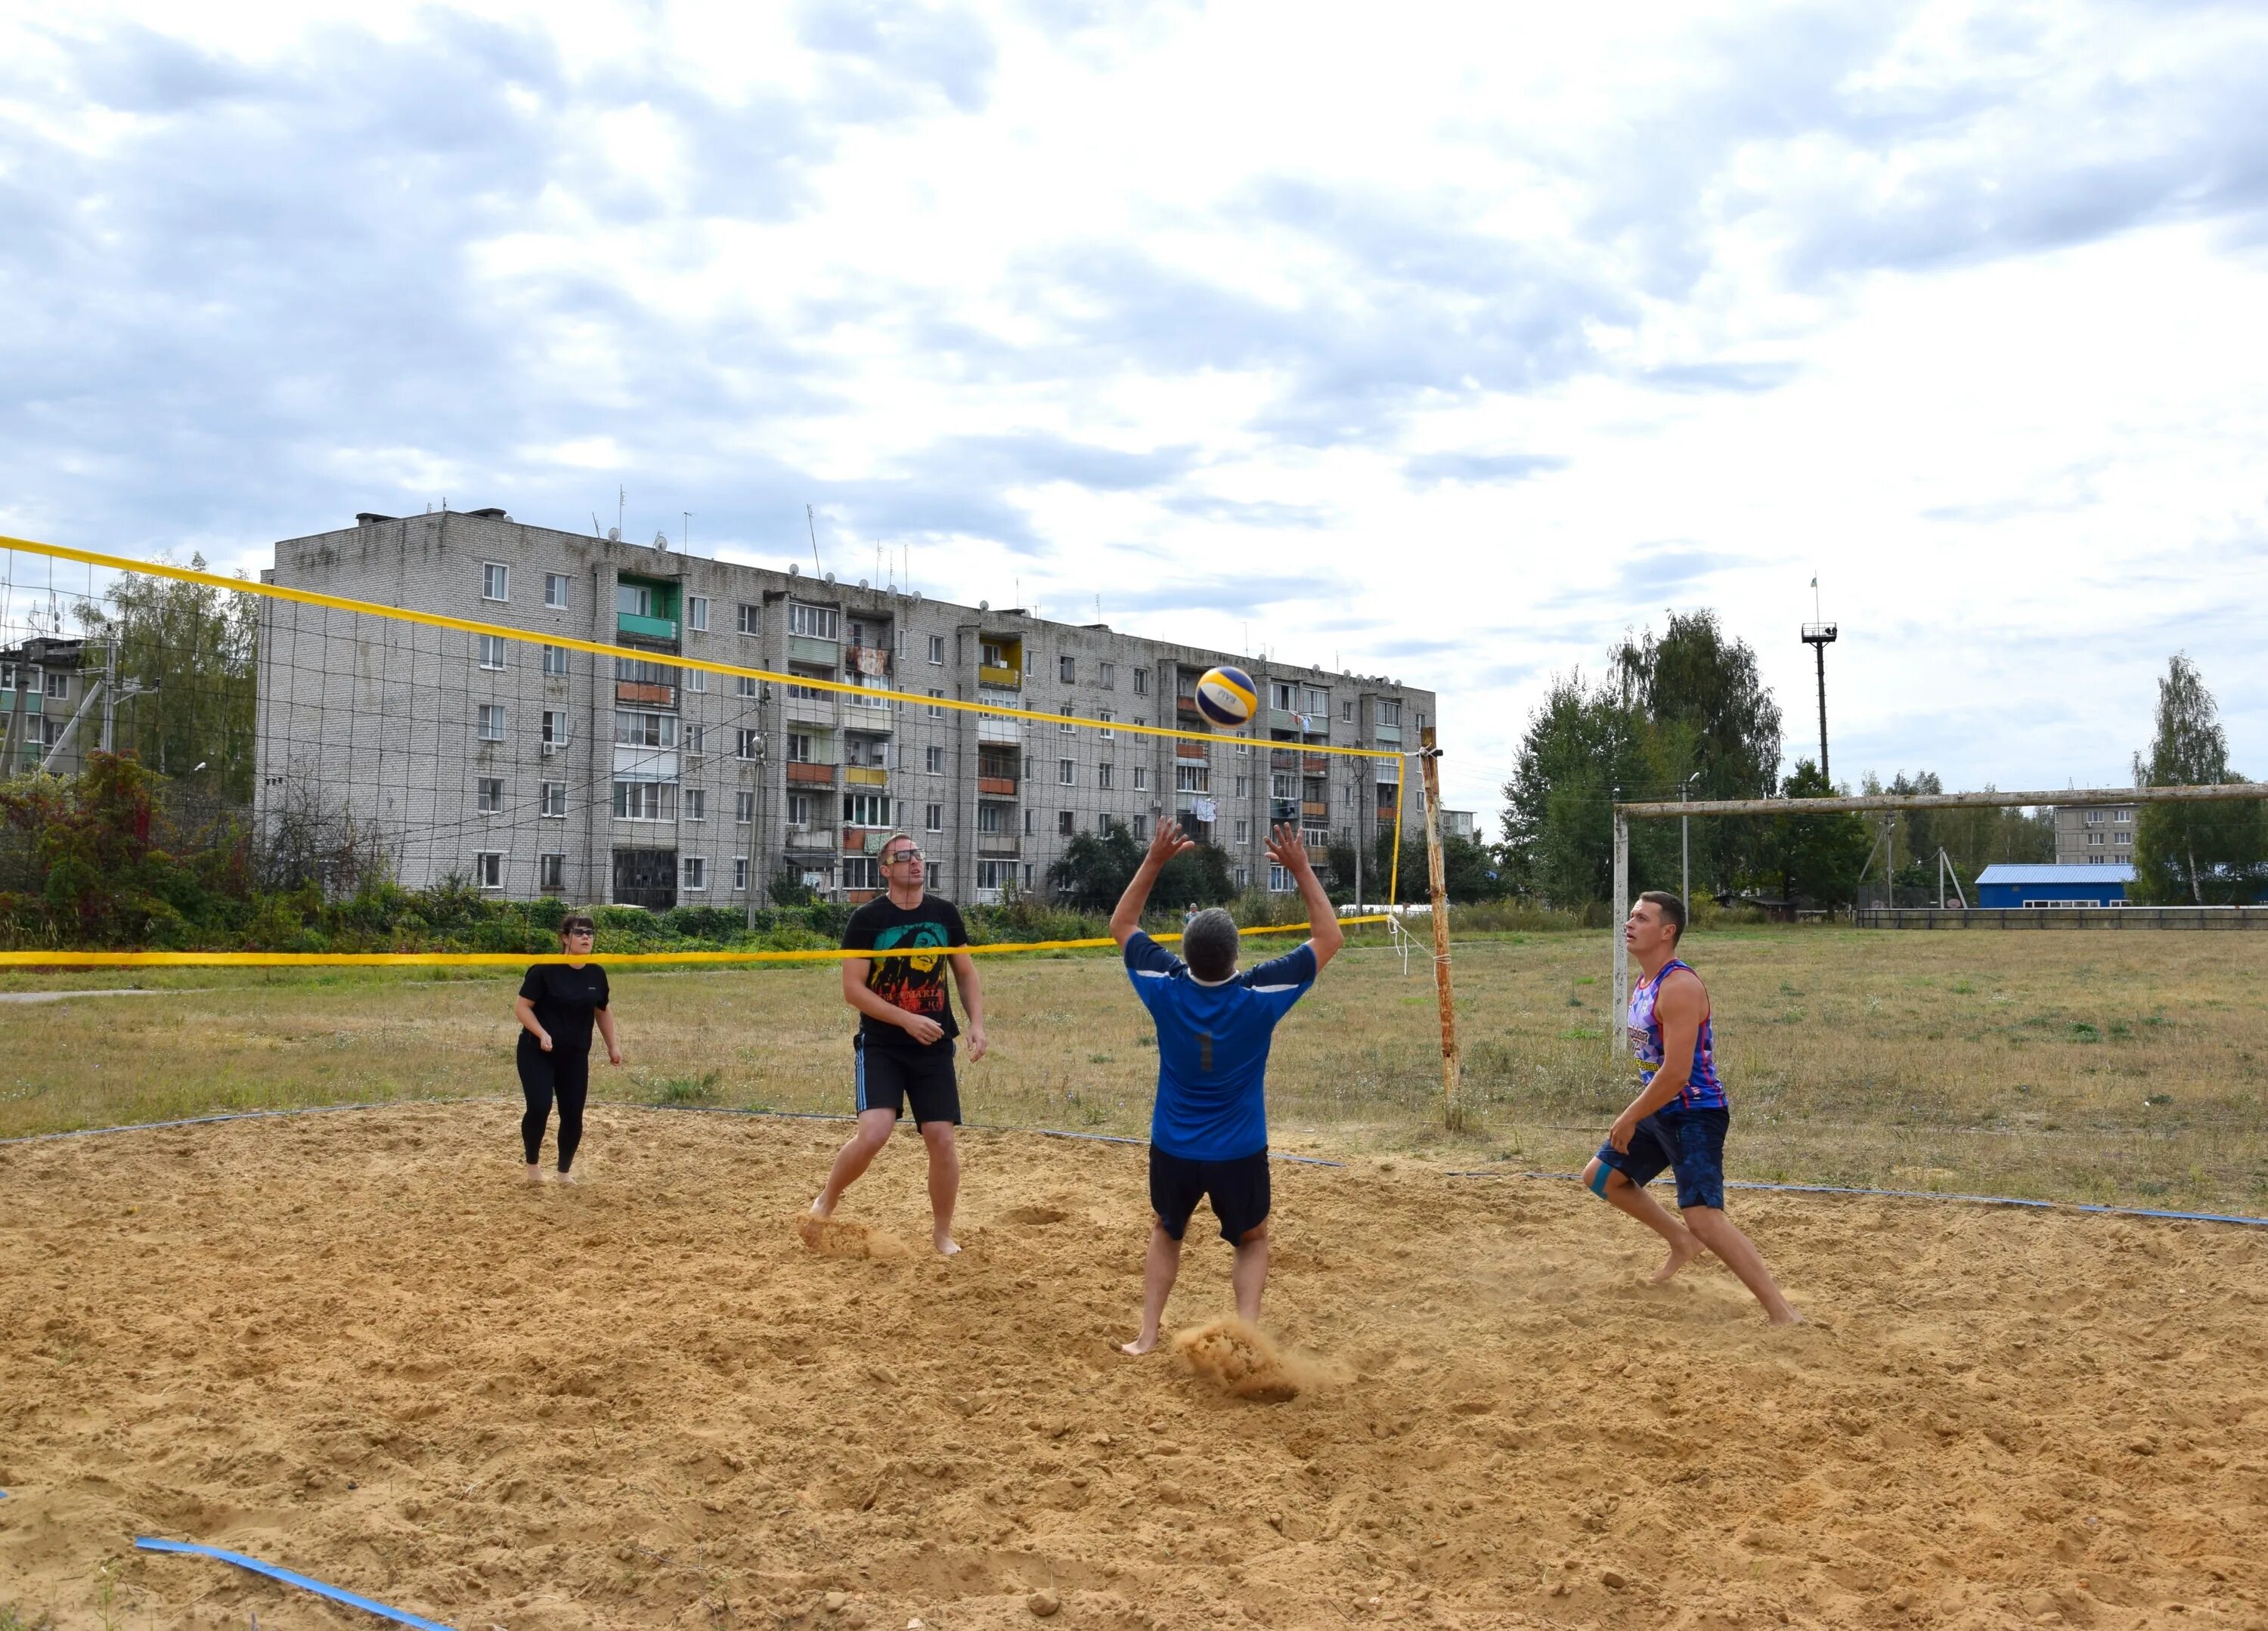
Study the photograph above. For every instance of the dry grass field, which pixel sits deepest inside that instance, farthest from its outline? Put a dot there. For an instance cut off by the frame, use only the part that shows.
(2103, 1067)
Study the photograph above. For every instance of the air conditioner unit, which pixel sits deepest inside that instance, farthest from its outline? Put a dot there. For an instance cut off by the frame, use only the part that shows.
(550, 748)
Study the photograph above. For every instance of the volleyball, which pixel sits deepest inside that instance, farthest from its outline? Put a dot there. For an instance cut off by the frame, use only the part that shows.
(1225, 696)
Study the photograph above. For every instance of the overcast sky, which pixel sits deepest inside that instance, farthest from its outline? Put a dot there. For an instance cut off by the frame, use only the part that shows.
(1441, 341)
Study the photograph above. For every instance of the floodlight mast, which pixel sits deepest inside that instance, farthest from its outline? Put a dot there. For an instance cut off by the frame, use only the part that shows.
(1819, 636)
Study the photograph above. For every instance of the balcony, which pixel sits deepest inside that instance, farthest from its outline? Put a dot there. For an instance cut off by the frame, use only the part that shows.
(865, 841)
(1315, 764)
(867, 776)
(818, 708)
(645, 693)
(1004, 678)
(630, 625)
(1192, 750)
(801, 775)
(1388, 733)
(1185, 703)
(1316, 810)
(997, 786)
(874, 661)
(866, 713)
(808, 648)
(991, 728)
(998, 844)
(808, 840)
(1282, 758)
(1283, 810)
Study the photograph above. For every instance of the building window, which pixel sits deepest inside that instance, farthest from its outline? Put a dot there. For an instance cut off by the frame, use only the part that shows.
(1031, 823)
(488, 795)
(1141, 682)
(1102, 824)
(57, 682)
(935, 711)
(936, 648)
(488, 869)
(995, 874)
(744, 807)
(693, 739)
(1106, 733)
(696, 804)
(644, 801)
(491, 727)
(696, 679)
(750, 744)
(2093, 818)
(1103, 774)
(555, 591)
(491, 650)
(551, 873)
(1244, 787)
(751, 618)
(554, 662)
(2123, 817)
(799, 748)
(865, 810)
(988, 817)
(1389, 711)
(1067, 669)
(496, 581)
(1142, 829)
(934, 760)
(1067, 772)
(1284, 696)
(799, 810)
(1108, 677)
(693, 872)
(696, 613)
(1067, 823)
(552, 800)
(1346, 711)
(744, 687)
(1319, 703)
(933, 819)
(740, 874)
(861, 873)
(1141, 778)
(1279, 879)
(813, 622)
(1192, 778)
(1066, 727)
(636, 730)
(555, 729)
(1244, 831)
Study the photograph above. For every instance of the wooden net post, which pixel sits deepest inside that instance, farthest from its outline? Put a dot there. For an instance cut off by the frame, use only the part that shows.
(1453, 1104)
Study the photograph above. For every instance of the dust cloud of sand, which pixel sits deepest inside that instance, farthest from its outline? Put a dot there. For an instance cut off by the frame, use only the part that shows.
(1246, 1362)
(845, 1237)
(358, 1346)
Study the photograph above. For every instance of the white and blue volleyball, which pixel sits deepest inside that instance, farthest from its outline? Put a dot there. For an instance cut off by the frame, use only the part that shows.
(1226, 695)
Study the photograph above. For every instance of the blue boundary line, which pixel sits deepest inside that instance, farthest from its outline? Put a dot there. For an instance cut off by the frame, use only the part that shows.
(1938, 1194)
(725, 1110)
(400, 1616)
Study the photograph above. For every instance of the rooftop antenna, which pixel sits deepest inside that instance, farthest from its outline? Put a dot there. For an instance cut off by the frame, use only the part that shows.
(1819, 635)
(596, 533)
(813, 525)
(622, 497)
(685, 538)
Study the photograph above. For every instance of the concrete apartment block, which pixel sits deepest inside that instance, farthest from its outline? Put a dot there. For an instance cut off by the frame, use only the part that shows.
(2099, 836)
(656, 785)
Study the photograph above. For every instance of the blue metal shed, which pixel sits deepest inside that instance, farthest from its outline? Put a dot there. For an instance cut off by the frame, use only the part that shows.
(2006, 884)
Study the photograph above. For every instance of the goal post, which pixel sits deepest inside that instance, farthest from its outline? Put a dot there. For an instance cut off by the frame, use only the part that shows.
(1861, 804)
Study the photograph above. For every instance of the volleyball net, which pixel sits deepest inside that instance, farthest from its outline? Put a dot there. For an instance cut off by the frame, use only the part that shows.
(205, 770)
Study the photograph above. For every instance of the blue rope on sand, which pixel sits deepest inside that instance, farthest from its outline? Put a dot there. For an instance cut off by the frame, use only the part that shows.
(399, 1616)
(1939, 1194)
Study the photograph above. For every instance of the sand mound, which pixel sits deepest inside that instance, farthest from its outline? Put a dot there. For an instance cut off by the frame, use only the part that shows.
(840, 1236)
(358, 1346)
(1242, 1359)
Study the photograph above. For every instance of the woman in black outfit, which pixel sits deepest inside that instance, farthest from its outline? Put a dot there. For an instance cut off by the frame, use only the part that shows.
(557, 1005)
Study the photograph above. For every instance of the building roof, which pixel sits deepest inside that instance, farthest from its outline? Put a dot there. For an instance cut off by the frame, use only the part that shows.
(2010, 872)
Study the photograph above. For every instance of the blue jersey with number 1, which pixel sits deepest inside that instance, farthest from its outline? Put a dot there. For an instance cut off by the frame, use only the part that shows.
(1212, 1048)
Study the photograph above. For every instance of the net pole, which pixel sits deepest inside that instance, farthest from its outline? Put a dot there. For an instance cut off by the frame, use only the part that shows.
(1616, 1029)
(1453, 1107)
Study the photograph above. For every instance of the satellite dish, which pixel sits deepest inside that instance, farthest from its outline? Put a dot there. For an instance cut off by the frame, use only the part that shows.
(830, 578)
(792, 568)
(661, 540)
(862, 583)
(613, 535)
(983, 606)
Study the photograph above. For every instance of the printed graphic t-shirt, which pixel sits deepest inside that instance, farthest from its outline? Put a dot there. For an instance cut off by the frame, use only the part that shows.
(566, 1000)
(915, 983)
(1212, 1048)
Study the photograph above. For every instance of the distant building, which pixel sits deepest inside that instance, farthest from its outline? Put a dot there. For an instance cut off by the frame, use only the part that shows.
(2099, 835)
(1459, 823)
(2006, 884)
(42, 694)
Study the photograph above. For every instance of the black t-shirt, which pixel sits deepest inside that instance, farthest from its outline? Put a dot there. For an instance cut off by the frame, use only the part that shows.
(915, 983)
(565, 999)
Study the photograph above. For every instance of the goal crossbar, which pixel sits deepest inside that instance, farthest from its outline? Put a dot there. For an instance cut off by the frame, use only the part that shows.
(1655, 810)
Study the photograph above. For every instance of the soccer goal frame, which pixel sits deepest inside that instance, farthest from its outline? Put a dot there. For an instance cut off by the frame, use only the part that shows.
(2077, 797)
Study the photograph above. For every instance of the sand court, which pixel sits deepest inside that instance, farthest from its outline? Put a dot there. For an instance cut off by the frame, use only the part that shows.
(358, 1346)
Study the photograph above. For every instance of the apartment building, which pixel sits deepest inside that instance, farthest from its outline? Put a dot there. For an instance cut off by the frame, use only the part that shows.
(532, 770)
(43, 693)
(2099, 835)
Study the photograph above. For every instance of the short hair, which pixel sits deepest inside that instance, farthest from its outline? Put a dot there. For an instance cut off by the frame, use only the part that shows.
(1673, 909)
(1209, 945)
(884, 852)
(574, 920)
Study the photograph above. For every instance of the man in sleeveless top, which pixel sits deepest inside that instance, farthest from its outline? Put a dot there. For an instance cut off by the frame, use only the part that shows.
(1679, 1118)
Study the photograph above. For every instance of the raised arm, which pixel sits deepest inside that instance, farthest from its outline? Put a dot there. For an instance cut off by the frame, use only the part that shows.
(1286, 851)
(1169, 842)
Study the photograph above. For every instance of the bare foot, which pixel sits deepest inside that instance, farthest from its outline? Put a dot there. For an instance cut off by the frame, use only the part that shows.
(1788, 1317)
(534, 1174)
(1680, 1254)
(822, 1207)
(946, 1244)
(1139, 1346)
(569, 1177)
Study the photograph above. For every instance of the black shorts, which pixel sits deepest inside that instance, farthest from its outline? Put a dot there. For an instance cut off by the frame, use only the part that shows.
(1689, 1142)
(1238, 1189)
(884, 1078)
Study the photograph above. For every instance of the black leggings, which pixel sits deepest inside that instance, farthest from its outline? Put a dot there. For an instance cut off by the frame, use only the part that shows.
(543, 1076)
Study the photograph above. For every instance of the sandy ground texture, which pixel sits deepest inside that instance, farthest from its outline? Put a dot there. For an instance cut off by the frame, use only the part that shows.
(355, 1345)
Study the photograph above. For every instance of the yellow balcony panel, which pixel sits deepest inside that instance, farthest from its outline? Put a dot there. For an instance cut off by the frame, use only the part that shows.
(867, 776)
(1007, 679)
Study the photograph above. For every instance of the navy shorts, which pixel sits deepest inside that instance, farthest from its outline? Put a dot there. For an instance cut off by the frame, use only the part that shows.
(1239, 1190)
(1689, 1142)
(885, 1078)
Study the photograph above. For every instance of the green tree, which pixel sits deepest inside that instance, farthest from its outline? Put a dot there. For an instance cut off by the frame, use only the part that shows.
(193, 650)
(1814, 859)
(1584, 747)
(1704, 687)
(1094, 872)
(1471, 871)
(1971, 839)
(2204, 854)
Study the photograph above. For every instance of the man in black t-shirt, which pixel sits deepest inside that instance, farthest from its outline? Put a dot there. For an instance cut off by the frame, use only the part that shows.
(903, 1050)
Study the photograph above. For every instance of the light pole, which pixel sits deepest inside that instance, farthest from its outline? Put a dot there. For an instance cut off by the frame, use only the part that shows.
(1685, 848)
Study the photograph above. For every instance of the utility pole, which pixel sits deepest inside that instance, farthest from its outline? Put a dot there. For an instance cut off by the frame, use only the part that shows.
(1685, 847)
(1819, 635)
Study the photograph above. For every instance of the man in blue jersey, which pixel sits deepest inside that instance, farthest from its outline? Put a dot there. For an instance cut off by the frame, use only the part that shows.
(1209, 1131)
(1680, 1114)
